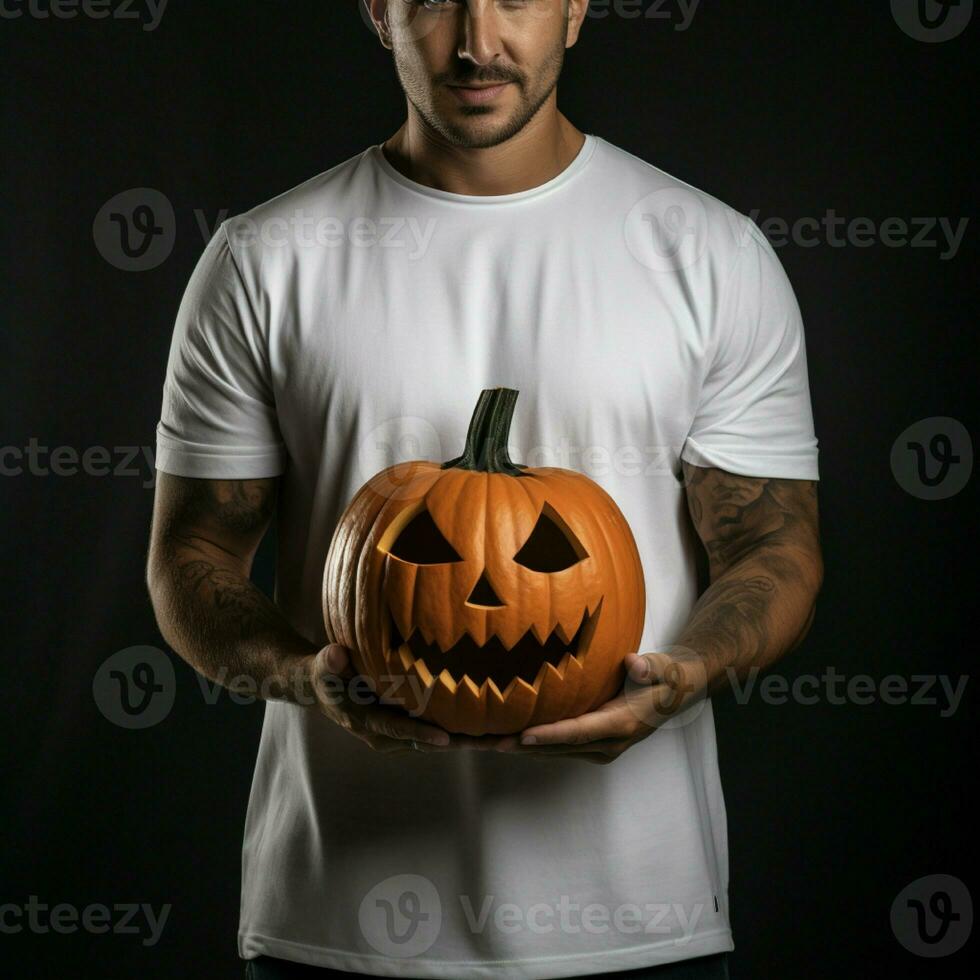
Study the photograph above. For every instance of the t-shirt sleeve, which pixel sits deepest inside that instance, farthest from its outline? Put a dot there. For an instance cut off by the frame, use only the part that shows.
(218, 419)
(754, 415)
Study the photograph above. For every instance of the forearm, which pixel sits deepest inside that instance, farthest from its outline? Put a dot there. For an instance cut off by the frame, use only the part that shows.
(223, 625)
(753, 613)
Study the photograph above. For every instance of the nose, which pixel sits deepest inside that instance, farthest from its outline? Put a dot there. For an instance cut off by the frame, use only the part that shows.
(480, 41)
(483, 594)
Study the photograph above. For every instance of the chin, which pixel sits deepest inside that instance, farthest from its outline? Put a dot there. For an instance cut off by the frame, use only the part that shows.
(479, 129)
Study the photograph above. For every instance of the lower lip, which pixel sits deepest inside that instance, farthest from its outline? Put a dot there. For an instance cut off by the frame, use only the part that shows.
(477, 96)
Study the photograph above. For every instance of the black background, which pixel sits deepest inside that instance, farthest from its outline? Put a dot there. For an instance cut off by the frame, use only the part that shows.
(781, 109)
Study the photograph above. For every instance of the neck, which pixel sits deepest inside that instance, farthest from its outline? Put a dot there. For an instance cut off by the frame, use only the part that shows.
(535, 155)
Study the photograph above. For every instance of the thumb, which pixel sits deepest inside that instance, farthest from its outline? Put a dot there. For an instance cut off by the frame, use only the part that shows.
(334, 658)
(639, 667)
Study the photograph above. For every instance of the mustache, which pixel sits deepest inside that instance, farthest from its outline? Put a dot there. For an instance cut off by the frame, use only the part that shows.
(481, 77)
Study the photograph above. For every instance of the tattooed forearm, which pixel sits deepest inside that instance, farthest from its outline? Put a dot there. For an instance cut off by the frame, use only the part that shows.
(230, 600)
(205, 533)
(734, 514)
(762, 541)
(733, 618)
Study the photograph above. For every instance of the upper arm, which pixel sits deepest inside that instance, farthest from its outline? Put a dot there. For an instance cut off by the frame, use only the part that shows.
(223, 519)
(754, 416)
(218, 419)
(734, 515)
(219, 448)
(753, 413)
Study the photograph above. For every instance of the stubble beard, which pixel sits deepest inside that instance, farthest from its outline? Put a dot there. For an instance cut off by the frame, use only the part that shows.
(463, 136)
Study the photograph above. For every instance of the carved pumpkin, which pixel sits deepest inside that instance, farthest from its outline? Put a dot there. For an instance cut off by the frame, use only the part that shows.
(485, 596)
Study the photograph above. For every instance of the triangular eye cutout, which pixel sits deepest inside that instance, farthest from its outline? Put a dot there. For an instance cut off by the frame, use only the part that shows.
(551, 547)
(422, 543)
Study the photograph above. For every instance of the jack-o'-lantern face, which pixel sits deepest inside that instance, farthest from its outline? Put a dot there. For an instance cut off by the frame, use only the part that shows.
(486, 600)
(485, 609)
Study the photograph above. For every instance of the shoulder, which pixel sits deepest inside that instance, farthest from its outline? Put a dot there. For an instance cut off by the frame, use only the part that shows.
(675, 225)
(299, 215)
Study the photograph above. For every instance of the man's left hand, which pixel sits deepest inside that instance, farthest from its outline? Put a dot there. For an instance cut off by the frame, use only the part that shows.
(658, 687)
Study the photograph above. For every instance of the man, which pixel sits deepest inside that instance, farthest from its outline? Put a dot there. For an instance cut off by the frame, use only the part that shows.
(657, 347)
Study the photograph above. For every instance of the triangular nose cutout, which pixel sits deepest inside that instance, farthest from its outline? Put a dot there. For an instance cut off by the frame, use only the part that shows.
(483, 594)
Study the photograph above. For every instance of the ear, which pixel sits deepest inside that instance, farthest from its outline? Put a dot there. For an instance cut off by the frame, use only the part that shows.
(577, 10)
(377, 10)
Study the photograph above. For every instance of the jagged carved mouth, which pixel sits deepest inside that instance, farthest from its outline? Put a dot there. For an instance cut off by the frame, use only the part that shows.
(493, 661)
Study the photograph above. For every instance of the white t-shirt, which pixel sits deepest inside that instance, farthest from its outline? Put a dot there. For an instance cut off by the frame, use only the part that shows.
(352, 323)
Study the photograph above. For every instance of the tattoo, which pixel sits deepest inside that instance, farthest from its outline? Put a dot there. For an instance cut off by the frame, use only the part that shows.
(735, 617)
(239, 507)
(205, 534)
(734, 514)
(761, 536)
(234, 601)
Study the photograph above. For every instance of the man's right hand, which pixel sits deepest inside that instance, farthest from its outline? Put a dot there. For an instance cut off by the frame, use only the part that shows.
(385, 729)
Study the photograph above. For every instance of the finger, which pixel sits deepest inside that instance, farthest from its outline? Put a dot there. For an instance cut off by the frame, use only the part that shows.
(566, 748)
(485, 743)
(566, 752)
(605, 750)
(593, 726)
(398, 746)
(657, 667)
(395, 724)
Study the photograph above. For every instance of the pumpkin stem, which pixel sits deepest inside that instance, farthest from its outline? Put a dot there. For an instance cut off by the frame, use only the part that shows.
(486, 439)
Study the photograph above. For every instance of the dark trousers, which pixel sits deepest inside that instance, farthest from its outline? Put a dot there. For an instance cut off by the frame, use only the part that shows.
(702, 968)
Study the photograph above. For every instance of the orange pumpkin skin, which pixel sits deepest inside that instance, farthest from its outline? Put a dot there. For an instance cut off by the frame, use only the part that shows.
(485, 596)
